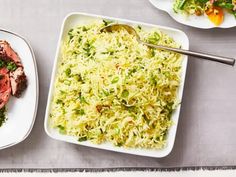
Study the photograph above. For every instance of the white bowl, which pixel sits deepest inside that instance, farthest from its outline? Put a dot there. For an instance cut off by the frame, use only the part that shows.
(75, 19)
(194, 21)
(21, 112)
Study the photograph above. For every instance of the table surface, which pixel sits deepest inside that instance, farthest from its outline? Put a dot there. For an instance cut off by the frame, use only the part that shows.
(205, 135)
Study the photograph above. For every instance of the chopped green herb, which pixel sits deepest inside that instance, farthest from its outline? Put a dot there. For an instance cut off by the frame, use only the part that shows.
(89, 48)
(120, 144)
(70, 31)
(2, 63)
(79, 78)
(61, 129)
(153, 80)
(11, 66)
(59, 101)
(62, 92)
(107, 22)
(131, 71)
(82, 100)
(70, 34)
(80, 112)
(68, 72)
(154, 38)
(84, 28)
(125, 93)
(81, 139)
(2, 115)
(115, 80)
(146, 118)
(106, 93)
(152, 52)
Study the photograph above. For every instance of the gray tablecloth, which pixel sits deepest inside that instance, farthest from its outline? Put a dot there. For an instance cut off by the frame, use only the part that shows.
(206, 132)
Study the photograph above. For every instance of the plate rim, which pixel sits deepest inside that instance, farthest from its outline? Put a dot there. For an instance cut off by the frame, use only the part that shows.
(37, 89)
(152, 2)
(53, 76)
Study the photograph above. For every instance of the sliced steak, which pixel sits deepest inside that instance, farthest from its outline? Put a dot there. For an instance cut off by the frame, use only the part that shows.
(8, 54)
(18, 81)
(5, 88)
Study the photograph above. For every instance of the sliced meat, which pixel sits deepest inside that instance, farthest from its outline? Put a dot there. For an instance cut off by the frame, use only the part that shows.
(5, 88)
(18, 82)
(8, 54)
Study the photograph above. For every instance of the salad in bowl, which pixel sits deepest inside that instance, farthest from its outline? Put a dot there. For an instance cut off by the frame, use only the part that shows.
(214, 9)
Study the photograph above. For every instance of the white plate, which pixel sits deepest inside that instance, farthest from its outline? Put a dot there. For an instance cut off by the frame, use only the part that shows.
(21, 111)
(194, 21)
(75, 19)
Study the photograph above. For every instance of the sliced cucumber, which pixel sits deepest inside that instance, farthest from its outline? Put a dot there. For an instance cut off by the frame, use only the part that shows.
(181, 4)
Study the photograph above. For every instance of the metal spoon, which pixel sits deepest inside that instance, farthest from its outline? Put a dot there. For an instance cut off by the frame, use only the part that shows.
(132, 31)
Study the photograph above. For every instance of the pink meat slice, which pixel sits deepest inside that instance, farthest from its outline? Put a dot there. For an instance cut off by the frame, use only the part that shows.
(18, 80)
(5, 88)
(7, 53)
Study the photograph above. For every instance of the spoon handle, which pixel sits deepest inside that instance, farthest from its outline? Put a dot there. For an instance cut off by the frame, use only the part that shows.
(220, 59)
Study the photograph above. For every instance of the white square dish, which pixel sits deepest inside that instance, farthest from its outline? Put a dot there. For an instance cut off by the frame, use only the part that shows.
(75, 19)
(21, 112)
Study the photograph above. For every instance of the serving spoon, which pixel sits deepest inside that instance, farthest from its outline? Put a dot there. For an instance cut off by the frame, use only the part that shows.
(132, 31)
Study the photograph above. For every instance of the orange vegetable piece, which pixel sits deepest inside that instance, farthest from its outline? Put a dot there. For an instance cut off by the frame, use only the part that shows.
(216, 15)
